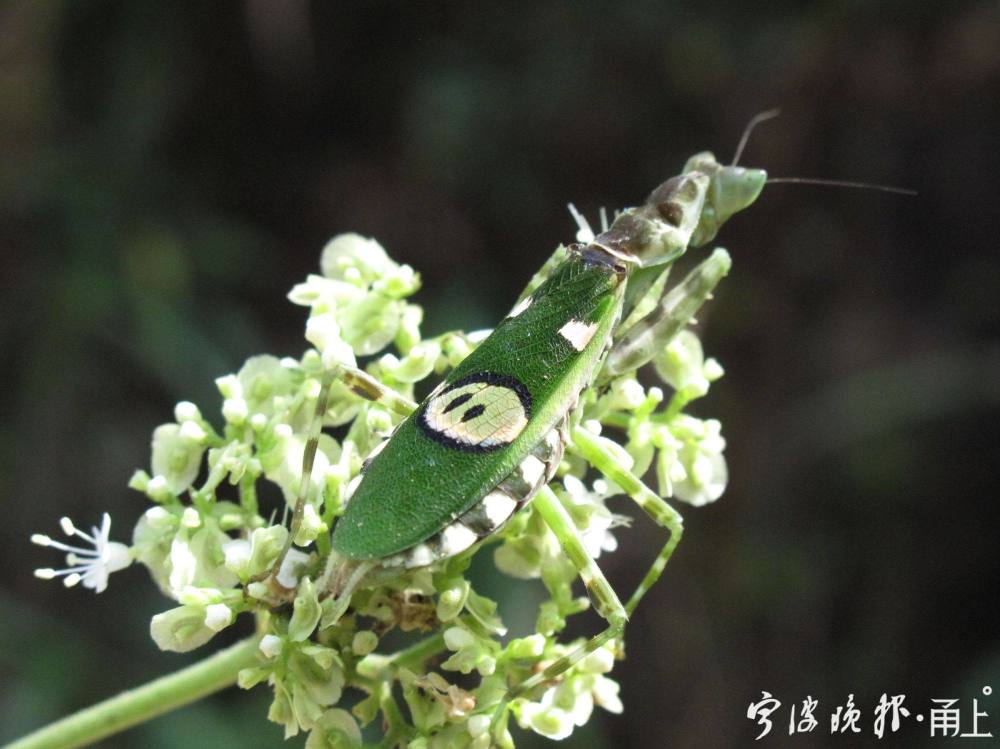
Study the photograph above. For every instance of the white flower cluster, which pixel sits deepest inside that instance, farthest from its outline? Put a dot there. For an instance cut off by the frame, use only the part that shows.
(570, 703)
(209, 544)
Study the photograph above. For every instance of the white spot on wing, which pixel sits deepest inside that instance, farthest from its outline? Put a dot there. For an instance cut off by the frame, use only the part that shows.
(497, 507)
(478, 336)
(532, 469)
(420, 556)
(456, 538)
(578, 333)
(520, 307)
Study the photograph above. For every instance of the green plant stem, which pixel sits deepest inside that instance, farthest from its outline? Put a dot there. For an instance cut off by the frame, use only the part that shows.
(413, 657)
(144, 703)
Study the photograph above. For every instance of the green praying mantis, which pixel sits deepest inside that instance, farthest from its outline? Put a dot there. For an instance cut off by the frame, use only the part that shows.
(488, 439)
(469, 465)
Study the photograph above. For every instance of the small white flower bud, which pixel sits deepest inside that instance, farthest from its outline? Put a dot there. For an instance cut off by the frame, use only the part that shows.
(159, 518)
(257, 590)
(312, 525)
(323, 332)
(183, 565)
(186, 411)
(235, 410)
(400, 283)
(139, 481)
(601, 661)
(627, 394)
(353, 251)
(457, 638)
(606, 695)
(548, 721)
(229, 386)
(713, 370)
(449, 598)
(237, 555)
(192, 430)
(190, 518)
(270, 646)
(218, 616)
(388, 362)
(478, 725)
(364, 643)
(291, 567)
(527, 647)
(486, 665)
(157, 489)
(312, 388)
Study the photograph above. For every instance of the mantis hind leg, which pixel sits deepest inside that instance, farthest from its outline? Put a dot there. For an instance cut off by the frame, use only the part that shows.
(585, 444)
(603, 596)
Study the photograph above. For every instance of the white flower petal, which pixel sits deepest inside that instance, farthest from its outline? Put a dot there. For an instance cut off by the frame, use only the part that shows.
(89, 566)
(288, 575)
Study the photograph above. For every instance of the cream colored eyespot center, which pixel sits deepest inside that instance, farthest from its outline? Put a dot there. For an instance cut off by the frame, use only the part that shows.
(578, 333)
(479, 415)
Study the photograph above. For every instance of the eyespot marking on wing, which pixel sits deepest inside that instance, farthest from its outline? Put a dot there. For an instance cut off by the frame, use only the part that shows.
(478, 413)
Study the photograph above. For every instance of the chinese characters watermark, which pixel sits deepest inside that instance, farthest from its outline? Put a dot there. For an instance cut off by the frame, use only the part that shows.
(944, 718)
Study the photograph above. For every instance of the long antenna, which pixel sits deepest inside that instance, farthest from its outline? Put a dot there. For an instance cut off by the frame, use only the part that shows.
(840, 183)
(770, 114)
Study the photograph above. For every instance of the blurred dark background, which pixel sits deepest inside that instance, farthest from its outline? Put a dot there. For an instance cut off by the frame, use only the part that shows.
(170, 170)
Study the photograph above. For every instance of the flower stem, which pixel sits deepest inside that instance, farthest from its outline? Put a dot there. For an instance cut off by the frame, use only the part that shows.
(144, 703)
(414, 656)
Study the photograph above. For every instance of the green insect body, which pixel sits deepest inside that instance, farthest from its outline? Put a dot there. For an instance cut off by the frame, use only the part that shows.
(485, 419)
(483, 443)
(491, 436)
